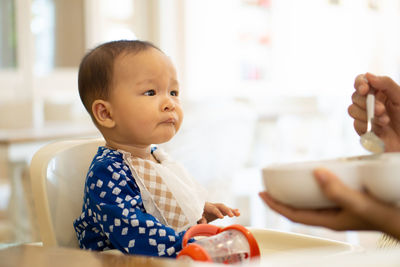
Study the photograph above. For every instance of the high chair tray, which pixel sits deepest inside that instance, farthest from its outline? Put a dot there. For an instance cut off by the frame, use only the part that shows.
(294, 184)
(271, 242)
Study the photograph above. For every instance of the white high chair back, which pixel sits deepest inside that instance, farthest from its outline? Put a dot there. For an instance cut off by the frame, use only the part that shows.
(58, 172)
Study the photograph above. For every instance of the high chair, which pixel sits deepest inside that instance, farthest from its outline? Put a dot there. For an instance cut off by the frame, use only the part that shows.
(58, 172)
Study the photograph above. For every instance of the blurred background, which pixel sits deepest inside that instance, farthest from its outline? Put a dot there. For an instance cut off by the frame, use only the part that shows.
(263, 81)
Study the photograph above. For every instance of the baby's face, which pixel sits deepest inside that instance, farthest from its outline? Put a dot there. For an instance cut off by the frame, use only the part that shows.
(144, 98)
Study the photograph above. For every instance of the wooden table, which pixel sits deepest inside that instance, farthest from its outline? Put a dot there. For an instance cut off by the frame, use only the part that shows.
(36, 256)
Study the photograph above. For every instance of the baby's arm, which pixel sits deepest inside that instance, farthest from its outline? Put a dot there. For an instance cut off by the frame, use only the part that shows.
(213, 211)
(133, 231)
(118, 210)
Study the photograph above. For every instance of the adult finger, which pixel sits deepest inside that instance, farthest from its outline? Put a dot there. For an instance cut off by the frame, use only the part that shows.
(386, 85)
(380, 108)
(359, 100)
(381, 120)
(361, 84)
(360, 126)
(305, 216)
(357, 113)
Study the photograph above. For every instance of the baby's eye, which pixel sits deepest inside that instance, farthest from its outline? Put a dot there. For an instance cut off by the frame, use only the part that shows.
(174, 93)
(150, 92)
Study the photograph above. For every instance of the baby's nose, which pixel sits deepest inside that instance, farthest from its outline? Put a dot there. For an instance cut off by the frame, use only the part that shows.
(168, 104)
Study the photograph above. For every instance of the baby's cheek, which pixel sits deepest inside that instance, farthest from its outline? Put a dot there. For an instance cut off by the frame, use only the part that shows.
(180, 117)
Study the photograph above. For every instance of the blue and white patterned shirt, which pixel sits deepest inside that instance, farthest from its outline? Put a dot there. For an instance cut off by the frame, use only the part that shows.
(113, 215)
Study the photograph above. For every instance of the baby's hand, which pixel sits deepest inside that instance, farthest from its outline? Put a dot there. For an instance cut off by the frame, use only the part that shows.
(213, 211)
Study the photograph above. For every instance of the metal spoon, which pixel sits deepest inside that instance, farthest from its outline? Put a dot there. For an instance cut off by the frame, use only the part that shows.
(369, 140)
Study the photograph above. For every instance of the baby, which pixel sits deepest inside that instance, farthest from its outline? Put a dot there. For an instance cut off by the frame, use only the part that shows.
(136, 198)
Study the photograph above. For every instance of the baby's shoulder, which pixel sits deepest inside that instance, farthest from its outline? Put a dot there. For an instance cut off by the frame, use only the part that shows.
(108, 161)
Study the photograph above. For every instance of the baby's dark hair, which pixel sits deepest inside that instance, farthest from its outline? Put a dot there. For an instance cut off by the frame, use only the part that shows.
(97, 66)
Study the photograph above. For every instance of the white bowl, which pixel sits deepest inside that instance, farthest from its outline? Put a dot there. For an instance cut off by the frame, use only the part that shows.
(294, 184)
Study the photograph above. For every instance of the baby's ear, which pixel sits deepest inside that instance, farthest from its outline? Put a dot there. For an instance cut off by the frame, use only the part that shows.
(102, 112)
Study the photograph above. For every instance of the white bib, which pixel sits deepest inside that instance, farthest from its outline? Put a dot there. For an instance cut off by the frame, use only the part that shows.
(168, 192)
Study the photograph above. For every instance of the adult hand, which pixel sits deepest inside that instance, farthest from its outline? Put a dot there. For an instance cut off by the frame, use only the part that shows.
(386, 123)
(356, 210)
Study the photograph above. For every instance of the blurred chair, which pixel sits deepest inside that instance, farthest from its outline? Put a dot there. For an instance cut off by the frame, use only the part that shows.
(58, 172)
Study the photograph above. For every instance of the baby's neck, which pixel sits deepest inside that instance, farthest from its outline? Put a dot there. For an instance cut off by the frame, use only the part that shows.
(143, 152)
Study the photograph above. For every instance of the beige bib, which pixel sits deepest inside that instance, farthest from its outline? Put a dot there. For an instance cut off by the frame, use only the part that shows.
(168, 192)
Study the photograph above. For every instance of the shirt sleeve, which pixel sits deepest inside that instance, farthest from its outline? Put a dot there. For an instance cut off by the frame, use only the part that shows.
(116, 206)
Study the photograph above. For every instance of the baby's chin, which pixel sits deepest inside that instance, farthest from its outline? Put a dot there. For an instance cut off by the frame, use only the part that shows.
(163, 139)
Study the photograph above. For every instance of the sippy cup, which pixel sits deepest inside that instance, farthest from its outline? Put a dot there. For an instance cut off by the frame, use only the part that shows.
(232, 244)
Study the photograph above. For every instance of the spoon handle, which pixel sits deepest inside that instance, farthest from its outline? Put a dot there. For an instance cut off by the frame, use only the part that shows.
(370, 110)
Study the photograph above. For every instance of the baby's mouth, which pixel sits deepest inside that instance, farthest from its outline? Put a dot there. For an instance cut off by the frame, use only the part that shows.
(169, 121)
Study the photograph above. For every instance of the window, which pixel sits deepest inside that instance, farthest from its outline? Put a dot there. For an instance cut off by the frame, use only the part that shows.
(43, 41)
(8, 37)
(59, 41)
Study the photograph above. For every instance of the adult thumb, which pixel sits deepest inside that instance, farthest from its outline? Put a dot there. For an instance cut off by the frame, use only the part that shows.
(336, 191)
